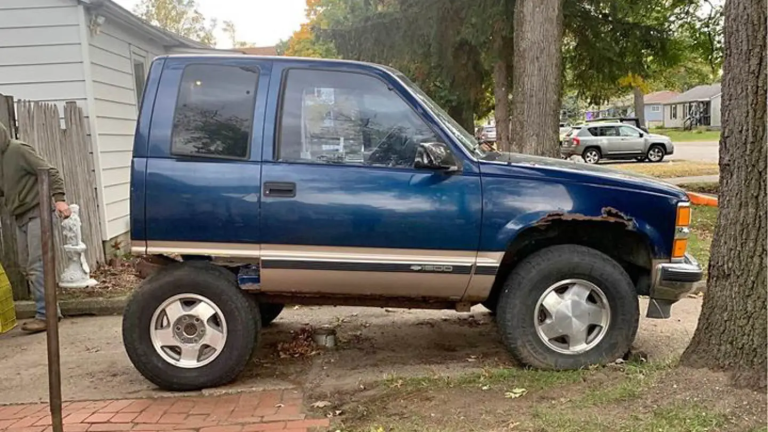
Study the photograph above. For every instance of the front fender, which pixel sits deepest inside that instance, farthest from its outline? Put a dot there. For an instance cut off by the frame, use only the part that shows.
(514, 203)
(540, 219)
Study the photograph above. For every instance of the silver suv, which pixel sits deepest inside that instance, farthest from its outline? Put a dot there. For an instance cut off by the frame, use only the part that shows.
(615, 141)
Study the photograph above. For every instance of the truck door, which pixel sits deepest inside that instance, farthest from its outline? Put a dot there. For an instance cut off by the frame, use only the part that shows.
(204, 166)
(344, 211)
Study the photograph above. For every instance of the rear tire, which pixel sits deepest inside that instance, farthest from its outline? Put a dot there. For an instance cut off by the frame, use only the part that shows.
(656, 153)
(533, 311)
(269, 312)
(591, 155)
(163, 320)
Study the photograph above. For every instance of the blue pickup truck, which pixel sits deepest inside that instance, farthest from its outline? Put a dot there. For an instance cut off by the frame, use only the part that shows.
(274, 181)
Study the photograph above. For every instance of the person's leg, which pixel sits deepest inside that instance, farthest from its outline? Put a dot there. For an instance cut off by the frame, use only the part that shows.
(35, 266)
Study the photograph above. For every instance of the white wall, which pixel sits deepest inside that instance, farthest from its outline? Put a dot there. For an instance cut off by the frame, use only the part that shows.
(715, 106)
(41, 57)
(111, 54)
(670, 122)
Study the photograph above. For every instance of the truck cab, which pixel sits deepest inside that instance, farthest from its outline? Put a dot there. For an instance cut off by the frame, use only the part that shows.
(275, 180)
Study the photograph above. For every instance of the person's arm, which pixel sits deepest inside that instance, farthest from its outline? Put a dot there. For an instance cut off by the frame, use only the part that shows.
(33, 161)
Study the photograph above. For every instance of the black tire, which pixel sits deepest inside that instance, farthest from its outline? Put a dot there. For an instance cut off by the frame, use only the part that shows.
(534, 275)
(591, 155)
(218, 286)
(658, 147)
(269, 312)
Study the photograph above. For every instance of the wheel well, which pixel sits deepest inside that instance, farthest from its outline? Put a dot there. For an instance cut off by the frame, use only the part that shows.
(662, 145)
(596, 147)
(629, 248)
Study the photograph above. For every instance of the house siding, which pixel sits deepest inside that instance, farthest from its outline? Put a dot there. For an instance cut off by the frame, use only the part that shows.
(669, 122)
(111, 52)
(715, 106)
(654, 118)
(40, 52)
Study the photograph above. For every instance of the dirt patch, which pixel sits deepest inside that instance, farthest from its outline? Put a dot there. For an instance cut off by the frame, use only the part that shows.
(606, 399)
(116, 279)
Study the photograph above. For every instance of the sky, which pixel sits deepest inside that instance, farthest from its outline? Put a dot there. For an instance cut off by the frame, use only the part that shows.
(260, 22)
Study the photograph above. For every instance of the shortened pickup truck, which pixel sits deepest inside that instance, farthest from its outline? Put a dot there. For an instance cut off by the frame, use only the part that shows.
(275, 180)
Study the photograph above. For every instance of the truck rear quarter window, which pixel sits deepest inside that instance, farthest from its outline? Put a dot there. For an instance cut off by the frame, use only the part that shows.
(214, 111)
(347, 118)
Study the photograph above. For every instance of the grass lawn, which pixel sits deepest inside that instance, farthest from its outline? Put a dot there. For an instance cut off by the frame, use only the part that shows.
(707, 187)
(670, 169)
(702, 230)
(679, 135)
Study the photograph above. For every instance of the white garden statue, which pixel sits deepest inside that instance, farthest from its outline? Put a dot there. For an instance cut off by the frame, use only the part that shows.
(77, 273)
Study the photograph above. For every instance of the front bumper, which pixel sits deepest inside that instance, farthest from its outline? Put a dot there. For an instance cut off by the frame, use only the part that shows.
(670, 282)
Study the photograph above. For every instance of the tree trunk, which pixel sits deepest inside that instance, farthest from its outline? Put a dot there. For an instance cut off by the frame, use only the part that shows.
(536, 76)
(501, 98)
(639, 105)
(731, 333)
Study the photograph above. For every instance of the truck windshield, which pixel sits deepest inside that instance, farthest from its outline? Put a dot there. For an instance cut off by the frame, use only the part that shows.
(462, 136)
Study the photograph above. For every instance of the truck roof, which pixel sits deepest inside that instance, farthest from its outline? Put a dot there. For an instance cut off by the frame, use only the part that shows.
(286, 59)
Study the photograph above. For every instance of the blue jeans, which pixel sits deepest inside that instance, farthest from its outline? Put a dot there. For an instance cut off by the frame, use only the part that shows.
(30, 246)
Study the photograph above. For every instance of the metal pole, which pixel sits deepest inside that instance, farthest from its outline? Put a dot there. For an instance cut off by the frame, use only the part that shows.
(51, 310)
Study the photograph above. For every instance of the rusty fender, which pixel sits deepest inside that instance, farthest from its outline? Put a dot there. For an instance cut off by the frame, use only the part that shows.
(607, 214)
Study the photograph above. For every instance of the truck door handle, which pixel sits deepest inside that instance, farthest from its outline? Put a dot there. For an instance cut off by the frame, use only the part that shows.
(279, 189)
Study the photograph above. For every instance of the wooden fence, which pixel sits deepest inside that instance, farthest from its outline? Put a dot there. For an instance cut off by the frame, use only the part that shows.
(69, 150)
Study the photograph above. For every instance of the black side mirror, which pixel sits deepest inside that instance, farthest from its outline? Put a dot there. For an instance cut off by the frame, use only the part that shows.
(642, 134)
(435, 156)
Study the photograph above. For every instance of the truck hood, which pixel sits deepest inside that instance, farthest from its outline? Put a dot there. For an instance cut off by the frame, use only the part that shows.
(585, 173)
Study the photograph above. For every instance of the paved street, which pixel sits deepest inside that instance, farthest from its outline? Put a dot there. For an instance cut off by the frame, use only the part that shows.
(696, 151)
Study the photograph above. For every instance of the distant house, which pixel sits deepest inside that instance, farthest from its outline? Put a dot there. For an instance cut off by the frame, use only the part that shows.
(699, 106)
(618, 107)
(96, 53)
(654, 106)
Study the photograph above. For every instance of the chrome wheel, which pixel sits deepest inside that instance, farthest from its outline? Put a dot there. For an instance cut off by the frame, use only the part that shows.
(591, 156)
(572, 316)
(188, 331)
(655, 154)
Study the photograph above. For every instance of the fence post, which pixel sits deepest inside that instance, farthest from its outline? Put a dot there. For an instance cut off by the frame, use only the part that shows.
(51, 308)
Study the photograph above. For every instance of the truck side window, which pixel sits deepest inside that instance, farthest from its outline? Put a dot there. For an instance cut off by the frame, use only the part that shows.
(347, 118)
(214, 111)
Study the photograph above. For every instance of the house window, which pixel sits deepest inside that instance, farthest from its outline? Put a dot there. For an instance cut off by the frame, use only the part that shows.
(139, 77)
(214, 111)
(655, 108)
(673, 112)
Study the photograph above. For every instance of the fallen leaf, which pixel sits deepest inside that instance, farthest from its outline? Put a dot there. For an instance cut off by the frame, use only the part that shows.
(485, 387)
(515, 393)
(321, 404)
(279, 406)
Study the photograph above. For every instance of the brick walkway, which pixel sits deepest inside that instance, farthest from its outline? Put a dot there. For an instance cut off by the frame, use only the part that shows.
(279, 410)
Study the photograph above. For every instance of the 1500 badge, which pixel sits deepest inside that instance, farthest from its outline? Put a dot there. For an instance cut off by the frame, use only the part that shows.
(432, 268)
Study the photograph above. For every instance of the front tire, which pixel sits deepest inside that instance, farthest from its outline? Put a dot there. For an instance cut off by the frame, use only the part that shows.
(656, 153)
(189, 327)
(568, 307)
